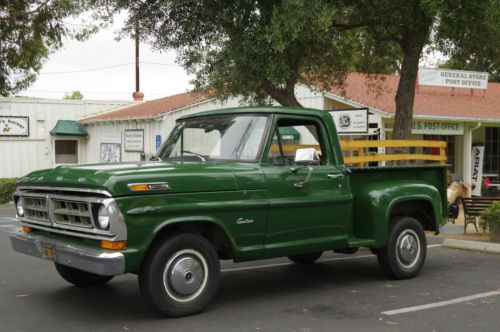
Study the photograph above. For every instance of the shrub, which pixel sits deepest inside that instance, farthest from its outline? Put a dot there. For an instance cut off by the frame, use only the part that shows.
(491, 215)
(7, 187)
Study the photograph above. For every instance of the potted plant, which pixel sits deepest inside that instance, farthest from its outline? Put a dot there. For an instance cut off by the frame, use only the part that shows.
(491, 217)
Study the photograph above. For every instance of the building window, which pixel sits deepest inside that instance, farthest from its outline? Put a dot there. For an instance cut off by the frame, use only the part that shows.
(66, 152)
(450, 148)
(492, 150)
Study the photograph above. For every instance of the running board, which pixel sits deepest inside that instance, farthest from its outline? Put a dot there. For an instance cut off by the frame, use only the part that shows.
(356, 243)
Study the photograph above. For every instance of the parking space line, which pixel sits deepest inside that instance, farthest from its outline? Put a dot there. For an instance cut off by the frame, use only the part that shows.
(441, 303)
(245, 268)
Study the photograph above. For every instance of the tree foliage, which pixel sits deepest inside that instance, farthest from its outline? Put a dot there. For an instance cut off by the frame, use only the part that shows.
(75, 95)
(29, 31)
(260, 49)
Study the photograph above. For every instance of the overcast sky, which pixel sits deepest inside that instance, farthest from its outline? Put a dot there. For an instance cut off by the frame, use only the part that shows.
(103, 50)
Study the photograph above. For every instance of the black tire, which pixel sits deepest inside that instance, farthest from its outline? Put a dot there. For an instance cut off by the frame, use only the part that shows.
(306, 258)
(180, 275)
(81, 278)
(407, 261)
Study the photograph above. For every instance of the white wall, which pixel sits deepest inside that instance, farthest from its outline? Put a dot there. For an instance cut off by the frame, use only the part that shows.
(21, 155)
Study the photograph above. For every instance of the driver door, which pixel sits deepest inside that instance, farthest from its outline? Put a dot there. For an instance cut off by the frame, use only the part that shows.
(312, 217)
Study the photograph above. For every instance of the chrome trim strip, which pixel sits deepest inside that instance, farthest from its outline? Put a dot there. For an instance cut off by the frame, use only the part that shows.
(98, 261)
(70, 189)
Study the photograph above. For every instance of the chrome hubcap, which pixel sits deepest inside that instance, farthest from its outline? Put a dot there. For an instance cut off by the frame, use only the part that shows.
(408, 248)
(185, 275)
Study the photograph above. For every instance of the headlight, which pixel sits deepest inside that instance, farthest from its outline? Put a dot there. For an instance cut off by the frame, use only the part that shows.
(103, 217)
(20, 208)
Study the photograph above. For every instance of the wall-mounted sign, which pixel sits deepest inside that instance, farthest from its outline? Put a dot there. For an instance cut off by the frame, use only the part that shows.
(157, 142)
(477, 169)
(437, 128)
(453, 78)
(112, 137)
(352, 121)
(110, 153)
(14, 126)
(134, 140)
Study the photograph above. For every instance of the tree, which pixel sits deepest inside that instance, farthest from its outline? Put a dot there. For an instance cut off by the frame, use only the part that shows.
(451, 26)
(75, 95)
(29, 31)
(259, 49)
(254, 49)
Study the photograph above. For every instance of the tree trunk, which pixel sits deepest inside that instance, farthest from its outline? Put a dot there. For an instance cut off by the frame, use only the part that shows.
(285, 97)
(405, 95)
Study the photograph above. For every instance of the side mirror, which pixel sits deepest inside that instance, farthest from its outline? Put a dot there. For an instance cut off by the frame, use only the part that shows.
(306, 157)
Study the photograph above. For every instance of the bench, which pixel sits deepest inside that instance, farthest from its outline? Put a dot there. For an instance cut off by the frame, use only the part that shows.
(474, 207)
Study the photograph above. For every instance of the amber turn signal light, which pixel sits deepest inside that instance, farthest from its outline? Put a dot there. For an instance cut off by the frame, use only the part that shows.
(114, 245)
(26, 229)
(139, 187)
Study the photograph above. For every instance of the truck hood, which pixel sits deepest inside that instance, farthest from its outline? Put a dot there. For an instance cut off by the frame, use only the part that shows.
(114, 177)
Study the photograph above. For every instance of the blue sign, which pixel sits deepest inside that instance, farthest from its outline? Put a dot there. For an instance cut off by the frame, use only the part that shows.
(158, 141)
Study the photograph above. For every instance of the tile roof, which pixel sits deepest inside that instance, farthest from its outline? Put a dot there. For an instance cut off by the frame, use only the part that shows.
(430, 101)
(150, 109)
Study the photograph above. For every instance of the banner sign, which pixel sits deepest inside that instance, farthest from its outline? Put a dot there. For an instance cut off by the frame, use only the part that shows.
(477, 169)
(352, 121)
(134, 140)
(453, 78)
(437, 128)
(14, 126)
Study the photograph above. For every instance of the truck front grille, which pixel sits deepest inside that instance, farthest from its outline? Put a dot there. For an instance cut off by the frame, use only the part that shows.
(72, 213)
(36, 208)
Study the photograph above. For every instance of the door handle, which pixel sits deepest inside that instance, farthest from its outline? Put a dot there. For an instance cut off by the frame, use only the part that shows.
(336, 176)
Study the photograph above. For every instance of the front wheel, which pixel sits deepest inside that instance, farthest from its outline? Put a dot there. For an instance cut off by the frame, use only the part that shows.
(81, 278)
(404, 255)
(180, 275)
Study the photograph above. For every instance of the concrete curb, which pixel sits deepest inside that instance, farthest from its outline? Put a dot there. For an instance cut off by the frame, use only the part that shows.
(489, 247)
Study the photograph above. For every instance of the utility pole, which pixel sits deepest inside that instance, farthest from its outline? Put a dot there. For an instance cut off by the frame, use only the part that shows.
(137, 95)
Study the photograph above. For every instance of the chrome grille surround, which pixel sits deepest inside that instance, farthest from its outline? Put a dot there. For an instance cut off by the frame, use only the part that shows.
(60, 211)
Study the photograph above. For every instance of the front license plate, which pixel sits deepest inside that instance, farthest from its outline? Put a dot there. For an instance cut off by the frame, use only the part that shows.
(48, 252)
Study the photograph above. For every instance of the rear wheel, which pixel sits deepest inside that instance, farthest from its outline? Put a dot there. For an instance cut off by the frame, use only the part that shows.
(406, 249)
(81, 278)
(180, 275)
(306, 258)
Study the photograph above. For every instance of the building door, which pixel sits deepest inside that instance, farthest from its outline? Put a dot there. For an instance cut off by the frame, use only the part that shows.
(65, 151)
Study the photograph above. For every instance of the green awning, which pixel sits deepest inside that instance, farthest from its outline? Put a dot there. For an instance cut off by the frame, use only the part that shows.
(68, 128)
(289, 133)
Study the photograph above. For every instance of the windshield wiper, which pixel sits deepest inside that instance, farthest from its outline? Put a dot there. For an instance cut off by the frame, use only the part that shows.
(196, 154)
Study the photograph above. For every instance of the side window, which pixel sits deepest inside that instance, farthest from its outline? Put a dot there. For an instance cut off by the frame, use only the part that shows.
(291, 135)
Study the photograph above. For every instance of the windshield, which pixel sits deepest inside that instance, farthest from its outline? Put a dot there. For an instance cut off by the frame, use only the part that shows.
(228, 137)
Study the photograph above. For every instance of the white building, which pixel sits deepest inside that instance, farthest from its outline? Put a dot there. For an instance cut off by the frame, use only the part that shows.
(26, 142)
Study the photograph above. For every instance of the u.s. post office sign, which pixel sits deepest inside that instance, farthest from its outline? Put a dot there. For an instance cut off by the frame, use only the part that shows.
(437, 127)
(12, 126)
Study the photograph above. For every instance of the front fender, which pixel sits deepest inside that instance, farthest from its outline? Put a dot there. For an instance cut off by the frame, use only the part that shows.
(374, 202)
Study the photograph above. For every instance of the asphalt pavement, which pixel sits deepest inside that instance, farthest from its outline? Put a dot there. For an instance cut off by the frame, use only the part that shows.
(456, 291)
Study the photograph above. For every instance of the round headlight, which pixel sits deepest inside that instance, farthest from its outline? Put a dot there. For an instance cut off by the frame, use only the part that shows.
(103, 217)
(20, 208)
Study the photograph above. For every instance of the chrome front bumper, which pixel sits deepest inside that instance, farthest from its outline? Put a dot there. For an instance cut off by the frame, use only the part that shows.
(106, 263)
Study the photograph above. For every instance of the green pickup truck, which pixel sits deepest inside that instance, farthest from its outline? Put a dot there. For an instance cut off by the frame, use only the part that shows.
(238, 184)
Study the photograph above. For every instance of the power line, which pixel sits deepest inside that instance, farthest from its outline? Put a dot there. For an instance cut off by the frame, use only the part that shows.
(106, 67)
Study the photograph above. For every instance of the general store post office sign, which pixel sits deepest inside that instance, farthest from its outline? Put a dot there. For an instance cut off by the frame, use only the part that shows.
(14, 126)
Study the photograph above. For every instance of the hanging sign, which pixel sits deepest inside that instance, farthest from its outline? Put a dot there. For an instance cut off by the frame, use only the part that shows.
(453, 78)
(134, 140)
(352, 121)
(477, 169)
(14, 126)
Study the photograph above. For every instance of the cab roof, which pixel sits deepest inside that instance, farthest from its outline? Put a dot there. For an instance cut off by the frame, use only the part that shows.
(259, 110)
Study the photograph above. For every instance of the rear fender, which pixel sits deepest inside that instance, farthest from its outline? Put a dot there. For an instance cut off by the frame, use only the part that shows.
(374, 203)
